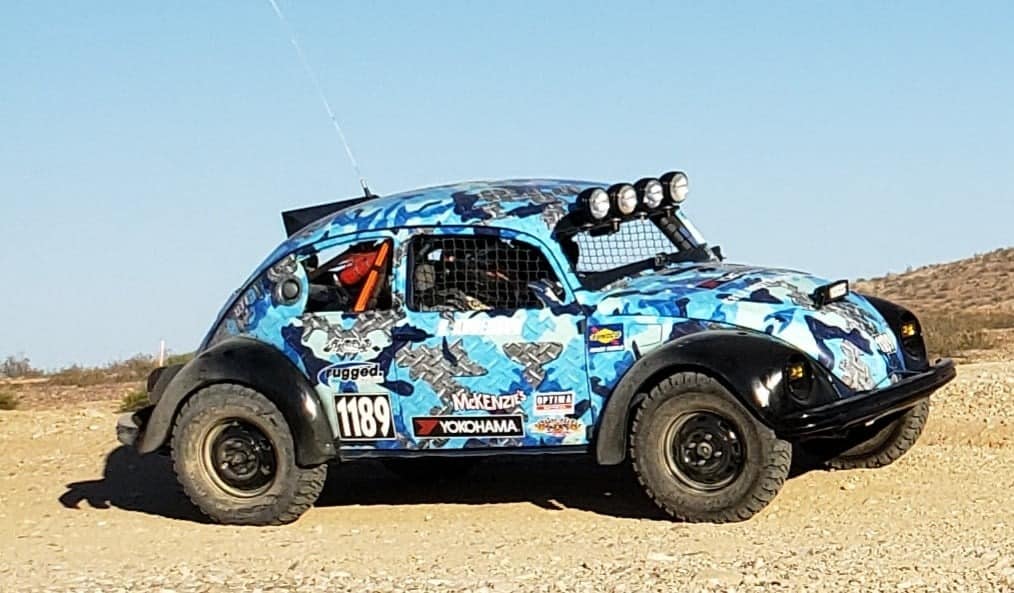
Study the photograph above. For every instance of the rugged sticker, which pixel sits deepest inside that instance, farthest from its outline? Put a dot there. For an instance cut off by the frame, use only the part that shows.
(364, 417)
(605, 338)
(434, 427)
(560, 403)
(356, 372)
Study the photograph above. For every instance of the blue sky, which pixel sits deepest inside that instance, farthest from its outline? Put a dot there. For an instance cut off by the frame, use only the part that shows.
(147, 148)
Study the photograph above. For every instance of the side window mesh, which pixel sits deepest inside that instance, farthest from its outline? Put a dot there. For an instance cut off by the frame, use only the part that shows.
(636, 240)
(478, 273)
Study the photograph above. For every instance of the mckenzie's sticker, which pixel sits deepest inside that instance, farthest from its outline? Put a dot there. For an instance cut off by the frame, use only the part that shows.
(559, 403)
(435, 427)
(464, 400)
(558, 427)
(605, 338)
(363, 417)
(356, 372)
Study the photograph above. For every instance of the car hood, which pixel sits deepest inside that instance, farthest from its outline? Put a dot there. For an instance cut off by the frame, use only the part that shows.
(850, 338)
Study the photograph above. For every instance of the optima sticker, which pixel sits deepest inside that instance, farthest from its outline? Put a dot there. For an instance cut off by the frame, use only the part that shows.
(355, 372)
(605, 338)
(435, 427)
(560, 403)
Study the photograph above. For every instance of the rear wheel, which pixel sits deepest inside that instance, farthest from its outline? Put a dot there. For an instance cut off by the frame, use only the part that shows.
(883, 445)
(701, 456)
(234, 455)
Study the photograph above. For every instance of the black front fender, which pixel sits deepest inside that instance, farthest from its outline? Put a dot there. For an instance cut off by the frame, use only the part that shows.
(747, 363)
(256, 365)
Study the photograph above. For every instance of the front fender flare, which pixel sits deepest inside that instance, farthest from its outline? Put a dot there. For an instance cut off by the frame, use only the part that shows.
(739, 359)
(256, 365)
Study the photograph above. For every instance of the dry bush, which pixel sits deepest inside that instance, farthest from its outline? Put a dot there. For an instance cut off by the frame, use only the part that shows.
(8, 401)
(18, 367)
(953, 334)
(135, 368)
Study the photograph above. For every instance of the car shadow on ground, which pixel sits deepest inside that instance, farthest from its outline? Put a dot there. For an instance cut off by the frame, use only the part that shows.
(146, 484)
(132, 482)
(549, 482)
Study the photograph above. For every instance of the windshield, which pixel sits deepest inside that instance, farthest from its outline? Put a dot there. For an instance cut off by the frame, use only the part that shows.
(601, 254)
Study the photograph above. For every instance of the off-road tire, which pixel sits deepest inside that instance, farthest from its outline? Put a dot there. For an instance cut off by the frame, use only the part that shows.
(886, 445)
(766, 459)
(293, 489)
(429, 469)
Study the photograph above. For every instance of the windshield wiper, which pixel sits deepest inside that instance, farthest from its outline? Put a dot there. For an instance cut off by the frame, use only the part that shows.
(699, 253)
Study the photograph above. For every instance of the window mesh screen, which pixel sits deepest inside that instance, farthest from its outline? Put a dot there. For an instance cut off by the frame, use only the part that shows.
(477, 273)
(637, 240)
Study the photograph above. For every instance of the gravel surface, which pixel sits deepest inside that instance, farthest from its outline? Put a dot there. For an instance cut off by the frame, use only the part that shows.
(79, 514)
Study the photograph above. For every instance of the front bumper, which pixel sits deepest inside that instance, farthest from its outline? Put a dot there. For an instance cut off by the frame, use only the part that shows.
(842, 415)
(127, 430)
(129, 426)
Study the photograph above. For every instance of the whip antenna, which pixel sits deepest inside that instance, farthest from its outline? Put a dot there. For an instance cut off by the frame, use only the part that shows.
(320, 91)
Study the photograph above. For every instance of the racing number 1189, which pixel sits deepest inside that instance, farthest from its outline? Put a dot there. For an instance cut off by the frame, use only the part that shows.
(364, 417)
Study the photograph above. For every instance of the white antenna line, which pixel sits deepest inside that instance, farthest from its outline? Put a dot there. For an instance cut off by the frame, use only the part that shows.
(320, 92)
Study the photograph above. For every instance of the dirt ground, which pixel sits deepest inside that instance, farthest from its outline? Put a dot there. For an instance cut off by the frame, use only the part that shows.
(79, 513)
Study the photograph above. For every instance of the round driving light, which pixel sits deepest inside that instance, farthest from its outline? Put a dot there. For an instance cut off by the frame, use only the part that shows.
(676, 186)
(650, 191)
(596, 202)
(624, 198)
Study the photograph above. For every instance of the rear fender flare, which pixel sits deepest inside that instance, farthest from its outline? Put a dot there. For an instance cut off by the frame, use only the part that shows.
(256, 365)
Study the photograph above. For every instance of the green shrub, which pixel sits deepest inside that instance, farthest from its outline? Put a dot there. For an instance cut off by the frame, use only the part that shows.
(135, 400)
(8, 401)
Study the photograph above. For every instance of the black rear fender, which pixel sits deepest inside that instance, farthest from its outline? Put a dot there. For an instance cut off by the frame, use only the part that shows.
(253, 364)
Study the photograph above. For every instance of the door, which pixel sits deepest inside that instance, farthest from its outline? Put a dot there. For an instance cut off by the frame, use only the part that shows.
(498, 358)
(346, 330)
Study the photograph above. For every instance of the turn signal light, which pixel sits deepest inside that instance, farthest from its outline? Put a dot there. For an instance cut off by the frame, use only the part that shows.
(908, 330)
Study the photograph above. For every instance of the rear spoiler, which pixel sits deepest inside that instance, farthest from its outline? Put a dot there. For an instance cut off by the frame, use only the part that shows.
(295, 220)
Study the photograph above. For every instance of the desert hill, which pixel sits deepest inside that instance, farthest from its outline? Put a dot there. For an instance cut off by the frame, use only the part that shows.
(982, 283)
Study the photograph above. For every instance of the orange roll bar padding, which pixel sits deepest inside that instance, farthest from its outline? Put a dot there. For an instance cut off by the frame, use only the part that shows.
(371, 280)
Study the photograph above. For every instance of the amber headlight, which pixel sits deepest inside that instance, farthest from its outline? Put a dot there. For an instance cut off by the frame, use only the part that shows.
(798, 378)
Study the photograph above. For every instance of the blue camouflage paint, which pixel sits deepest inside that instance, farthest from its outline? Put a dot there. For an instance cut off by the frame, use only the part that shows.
(485, 363)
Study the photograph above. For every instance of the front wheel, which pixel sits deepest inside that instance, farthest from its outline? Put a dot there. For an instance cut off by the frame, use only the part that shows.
(701, 456)
(234, 455)
(883, 445)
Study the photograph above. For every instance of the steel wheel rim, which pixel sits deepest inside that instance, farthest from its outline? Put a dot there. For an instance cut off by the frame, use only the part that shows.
(239, 458)
(705, 451)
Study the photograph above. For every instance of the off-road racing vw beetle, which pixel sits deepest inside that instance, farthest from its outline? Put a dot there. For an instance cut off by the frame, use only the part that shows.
(531, 316)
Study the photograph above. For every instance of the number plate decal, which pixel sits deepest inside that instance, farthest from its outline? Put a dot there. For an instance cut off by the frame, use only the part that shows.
(364, 417)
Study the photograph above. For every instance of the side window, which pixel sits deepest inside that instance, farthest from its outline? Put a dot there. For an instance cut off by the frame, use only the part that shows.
(479, 273)
(350, 278)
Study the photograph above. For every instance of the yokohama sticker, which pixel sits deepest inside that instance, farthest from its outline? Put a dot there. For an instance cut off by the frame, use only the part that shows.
(559, 403)
(437, 427)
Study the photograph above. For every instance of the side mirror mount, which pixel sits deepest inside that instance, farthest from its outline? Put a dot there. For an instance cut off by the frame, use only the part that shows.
(717, 251)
